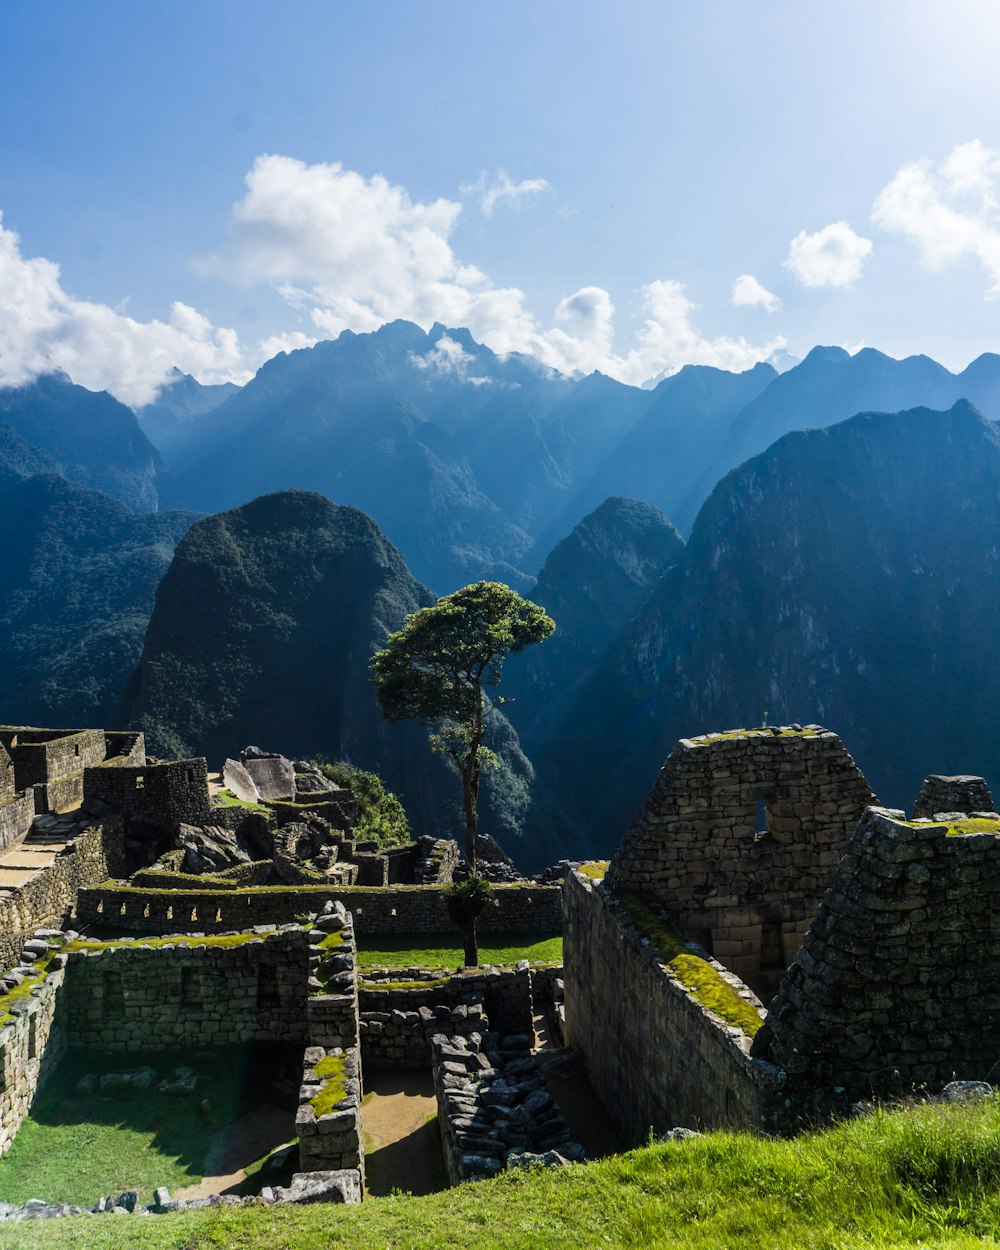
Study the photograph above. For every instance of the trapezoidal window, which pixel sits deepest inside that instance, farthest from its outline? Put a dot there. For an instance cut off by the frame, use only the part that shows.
(190, 987)
(772, 946)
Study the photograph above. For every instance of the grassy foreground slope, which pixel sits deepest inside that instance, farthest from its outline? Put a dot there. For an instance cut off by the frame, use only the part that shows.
(928, 1177)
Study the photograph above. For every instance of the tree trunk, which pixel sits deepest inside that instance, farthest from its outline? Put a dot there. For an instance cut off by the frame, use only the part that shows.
(470, 797)
(471, 945)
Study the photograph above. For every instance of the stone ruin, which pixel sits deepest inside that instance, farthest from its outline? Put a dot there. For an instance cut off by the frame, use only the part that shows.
(761, 849)
(767, 950)
(236, 916)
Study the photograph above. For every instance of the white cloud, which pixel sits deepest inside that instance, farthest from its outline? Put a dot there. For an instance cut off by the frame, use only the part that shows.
(833, 256)
(355, 252)
(747, 292)
(448, 358)
(949, 211)
(503, 190)
(43, 328)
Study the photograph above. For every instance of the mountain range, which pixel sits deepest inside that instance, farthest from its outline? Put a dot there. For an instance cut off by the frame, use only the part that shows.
(838, 568)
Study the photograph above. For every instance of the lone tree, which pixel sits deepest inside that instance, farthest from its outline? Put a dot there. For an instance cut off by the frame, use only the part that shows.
(438, 669)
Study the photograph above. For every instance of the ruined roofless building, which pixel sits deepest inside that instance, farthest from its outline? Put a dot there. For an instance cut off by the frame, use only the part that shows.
(739, 838)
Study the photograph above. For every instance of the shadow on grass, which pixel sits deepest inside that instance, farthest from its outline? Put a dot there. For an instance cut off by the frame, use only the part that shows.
(76, 1146)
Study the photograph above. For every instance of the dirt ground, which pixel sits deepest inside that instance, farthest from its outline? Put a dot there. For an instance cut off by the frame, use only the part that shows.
(402, 1143)
(238, 1145)
(567, 1082)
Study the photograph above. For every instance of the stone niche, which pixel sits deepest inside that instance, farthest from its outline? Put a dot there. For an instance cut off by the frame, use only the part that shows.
(739, 838)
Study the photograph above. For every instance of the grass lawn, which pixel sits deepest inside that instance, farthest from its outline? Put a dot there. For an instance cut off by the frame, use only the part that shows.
(927, 1177)
(425, 950)
(77, 1147)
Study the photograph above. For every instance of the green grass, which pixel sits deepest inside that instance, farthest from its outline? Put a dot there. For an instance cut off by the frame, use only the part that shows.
(226, 798)
(425, 950)
(694, 973)
(76, 1147)
(927, 1178)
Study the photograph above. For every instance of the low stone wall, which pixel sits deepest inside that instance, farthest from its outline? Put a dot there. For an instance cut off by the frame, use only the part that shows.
(413, 909)
(493, 1108)
(393, 1038)
(952, 794)
(160, 795)
(33, 1039)
(135, 997)
(332, 1005)
(657, 1058)
(503, 994)
(330, 1137)
(91, 856)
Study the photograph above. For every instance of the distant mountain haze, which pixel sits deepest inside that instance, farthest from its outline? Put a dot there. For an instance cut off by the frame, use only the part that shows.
(92, 438)
(78, 572)
(849, 576)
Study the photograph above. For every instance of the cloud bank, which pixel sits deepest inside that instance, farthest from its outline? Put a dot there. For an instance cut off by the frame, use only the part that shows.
(354, 252)
(949, 211)
(43, 328)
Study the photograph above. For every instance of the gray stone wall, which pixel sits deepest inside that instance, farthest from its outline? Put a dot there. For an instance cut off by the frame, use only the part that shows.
(90, 857)
(898, 981)
(161, 795)
(657, 1058)
(745, 893)
(32, 1041)
(494, 1111)
(7, 786)
(952, 794)
(136, 997)
(330, 1140)
(15, 819)
(414, 909)
(44, 756)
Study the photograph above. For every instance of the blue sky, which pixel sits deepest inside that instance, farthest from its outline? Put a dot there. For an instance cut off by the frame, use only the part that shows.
(580, 180)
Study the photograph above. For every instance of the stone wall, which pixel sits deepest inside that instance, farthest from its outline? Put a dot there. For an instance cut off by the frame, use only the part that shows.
(739, 838)
(412, 909)
(952, 794)
(15, 819)
(91, 856)
(898, 982)
(657, 1057)
(402, 1009)
(136, 997)
(44, 756)
(493, 1108)
(32, 1041)
(160, 795)
(7, 784)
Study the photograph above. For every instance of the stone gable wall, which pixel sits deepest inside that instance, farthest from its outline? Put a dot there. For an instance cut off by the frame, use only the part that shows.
(745, 894)
(46, 756)
(898, 981)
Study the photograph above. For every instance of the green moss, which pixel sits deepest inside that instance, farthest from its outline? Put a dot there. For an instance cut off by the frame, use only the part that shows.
(958, 828)
(224, 940)
(331, 1070)
(437, 984)
(694, 973)
(39, 971)
(783, 731)
(596, 869)
(334, 939)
